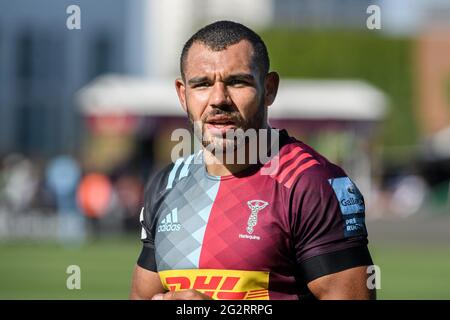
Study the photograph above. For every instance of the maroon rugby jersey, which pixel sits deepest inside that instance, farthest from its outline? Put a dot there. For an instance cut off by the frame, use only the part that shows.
(253, 235)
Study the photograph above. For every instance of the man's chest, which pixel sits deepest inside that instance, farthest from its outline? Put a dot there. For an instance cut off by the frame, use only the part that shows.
(223, 225)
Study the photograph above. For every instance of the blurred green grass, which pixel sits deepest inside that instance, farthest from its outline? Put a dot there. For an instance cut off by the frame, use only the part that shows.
(38, 270)
(415, 271)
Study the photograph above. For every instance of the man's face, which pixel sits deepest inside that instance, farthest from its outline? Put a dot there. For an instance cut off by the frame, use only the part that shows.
(222, 91)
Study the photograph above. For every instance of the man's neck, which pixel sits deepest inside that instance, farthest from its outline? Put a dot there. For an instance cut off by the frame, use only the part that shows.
(215, 167)
(219, 166)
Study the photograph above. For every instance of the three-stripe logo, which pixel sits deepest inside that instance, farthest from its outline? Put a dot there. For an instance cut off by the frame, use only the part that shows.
(170, 222)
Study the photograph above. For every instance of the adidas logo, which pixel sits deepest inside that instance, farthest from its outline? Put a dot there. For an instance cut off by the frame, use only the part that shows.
(170, 222)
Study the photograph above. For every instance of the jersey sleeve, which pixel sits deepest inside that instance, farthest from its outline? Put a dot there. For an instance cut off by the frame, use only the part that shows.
(329, 231)
(152, 197)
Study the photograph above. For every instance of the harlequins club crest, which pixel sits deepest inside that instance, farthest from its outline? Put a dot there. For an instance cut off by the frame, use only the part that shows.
(255, 206)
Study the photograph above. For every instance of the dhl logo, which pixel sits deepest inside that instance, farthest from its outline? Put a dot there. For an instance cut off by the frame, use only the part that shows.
(219, 284)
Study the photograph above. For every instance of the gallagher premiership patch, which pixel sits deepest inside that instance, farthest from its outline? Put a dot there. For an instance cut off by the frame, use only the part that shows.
(352, 206)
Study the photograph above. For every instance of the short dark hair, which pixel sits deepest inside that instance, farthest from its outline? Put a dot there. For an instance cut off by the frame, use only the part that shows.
(219, 35)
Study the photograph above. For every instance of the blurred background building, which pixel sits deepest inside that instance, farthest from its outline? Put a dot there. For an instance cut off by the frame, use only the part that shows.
(51, 104)
(44, 63)
(86, 115)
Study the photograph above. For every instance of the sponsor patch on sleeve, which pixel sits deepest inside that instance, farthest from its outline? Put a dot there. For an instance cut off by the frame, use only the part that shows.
(350, 199)
(352, 206)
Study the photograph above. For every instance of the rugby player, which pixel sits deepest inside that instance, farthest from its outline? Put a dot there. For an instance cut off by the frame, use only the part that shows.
(229, 230)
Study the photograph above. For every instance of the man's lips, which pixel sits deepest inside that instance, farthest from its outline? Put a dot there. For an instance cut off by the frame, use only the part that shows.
(219, 125)
(220, 120)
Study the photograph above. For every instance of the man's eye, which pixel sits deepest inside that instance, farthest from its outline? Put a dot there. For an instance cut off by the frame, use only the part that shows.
(237, 83)
(202, 85)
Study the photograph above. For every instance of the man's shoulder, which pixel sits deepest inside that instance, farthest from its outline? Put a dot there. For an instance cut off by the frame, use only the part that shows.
(161, 183)
(323, 171)
(158, 179)
(297, 163)
(167, 177)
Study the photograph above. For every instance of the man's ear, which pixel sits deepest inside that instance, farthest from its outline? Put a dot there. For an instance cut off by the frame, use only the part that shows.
(181, 92)
(271, 87)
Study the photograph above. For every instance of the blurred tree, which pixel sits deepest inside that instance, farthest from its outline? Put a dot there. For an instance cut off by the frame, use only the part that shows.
(382, 61)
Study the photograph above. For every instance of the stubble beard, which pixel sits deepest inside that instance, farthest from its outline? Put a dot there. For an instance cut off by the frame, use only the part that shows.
(220, 144)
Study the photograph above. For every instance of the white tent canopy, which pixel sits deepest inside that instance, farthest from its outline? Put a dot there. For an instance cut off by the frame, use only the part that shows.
(297, 99)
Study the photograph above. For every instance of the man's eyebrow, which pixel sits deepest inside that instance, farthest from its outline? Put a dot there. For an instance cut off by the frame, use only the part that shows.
(236, 76)
(197, 80)
(240, 76)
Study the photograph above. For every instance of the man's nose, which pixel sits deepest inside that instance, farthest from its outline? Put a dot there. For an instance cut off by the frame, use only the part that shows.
(219, 95)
